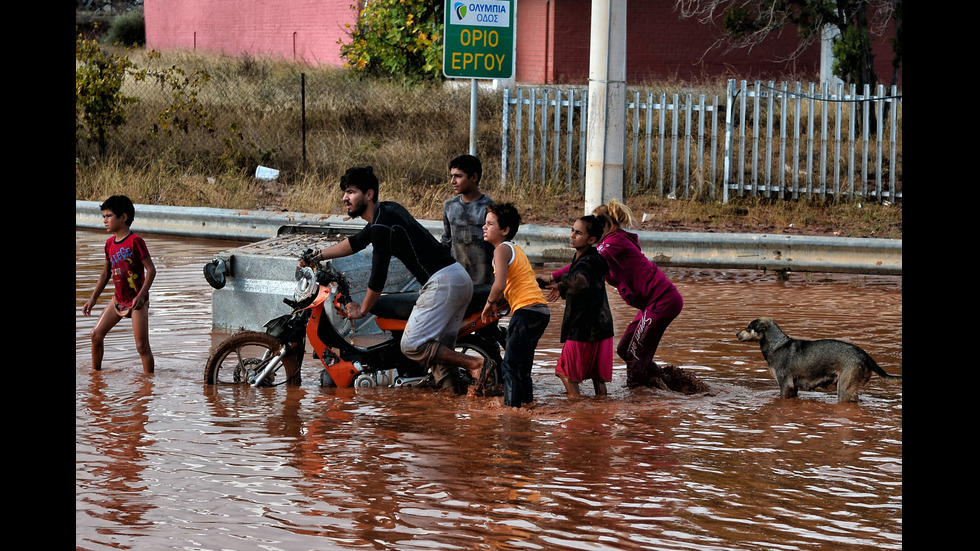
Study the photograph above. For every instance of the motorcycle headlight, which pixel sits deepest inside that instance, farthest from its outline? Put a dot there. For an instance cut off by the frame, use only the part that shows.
(306, 285)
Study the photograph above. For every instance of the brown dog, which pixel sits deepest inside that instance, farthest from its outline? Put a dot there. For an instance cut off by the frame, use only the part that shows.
(809, 365)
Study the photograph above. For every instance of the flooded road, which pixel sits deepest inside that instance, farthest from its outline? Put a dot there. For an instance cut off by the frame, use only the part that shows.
(164, 462)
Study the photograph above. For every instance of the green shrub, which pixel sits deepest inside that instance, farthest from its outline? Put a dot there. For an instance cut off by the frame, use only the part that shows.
(397, 38)
(129, 29)
(100, 104)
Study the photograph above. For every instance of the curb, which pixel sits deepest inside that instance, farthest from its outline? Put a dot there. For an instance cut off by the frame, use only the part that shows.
(545, 244)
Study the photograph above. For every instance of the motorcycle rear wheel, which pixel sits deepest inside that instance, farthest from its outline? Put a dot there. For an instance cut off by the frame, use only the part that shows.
(245, 354)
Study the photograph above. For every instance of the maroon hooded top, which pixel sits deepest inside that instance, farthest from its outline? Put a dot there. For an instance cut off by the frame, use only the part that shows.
(638, 280)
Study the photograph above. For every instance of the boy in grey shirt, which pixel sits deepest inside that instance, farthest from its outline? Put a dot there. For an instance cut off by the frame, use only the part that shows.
(463, 217)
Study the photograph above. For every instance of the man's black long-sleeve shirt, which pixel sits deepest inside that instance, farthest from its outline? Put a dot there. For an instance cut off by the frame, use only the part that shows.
(394, 232)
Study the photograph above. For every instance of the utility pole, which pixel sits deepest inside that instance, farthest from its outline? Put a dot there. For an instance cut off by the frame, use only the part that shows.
(606, 153)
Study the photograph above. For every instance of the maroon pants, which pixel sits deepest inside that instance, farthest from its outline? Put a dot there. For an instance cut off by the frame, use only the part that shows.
(642, 337)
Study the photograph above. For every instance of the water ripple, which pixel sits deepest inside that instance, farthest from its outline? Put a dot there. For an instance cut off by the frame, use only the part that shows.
(164, 462)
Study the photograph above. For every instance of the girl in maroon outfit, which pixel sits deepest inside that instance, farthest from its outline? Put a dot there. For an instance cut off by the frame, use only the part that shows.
(644, 287)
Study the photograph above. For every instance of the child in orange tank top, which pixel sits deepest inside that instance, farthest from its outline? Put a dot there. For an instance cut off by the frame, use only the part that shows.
(515, 283)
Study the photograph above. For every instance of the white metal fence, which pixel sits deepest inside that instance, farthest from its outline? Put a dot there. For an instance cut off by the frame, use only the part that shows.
(762, 140)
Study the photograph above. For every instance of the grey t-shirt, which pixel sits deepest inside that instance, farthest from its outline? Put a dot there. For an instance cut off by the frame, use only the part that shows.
(463, 235)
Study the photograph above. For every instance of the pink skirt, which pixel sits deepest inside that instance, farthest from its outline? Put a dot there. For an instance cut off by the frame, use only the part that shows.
(585, 361)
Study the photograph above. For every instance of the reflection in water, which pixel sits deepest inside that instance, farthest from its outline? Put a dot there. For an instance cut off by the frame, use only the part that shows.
(113, 451)
(165, 462)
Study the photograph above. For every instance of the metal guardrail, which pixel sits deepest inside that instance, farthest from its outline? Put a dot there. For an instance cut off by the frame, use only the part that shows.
(543, 244)
(213, 223)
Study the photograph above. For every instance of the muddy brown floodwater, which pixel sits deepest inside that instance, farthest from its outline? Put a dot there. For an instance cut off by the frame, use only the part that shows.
(165, 462)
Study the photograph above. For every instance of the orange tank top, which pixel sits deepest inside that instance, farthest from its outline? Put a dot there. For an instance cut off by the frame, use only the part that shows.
(522, 288)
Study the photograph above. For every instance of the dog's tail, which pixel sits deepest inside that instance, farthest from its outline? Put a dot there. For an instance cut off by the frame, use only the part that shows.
(881, 372)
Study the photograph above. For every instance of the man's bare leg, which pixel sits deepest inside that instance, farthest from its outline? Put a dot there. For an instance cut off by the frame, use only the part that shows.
(448, 356)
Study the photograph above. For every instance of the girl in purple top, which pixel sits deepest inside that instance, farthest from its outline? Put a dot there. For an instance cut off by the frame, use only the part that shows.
(644, 287)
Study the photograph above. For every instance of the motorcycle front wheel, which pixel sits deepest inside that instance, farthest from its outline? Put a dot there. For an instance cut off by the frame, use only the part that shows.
(244, 354)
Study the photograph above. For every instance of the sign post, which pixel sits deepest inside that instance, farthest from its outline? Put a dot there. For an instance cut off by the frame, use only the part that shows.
(479, 39)
(478, 44)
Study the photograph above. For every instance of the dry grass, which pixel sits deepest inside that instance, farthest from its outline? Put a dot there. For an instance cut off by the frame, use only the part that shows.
(408, 135)
(162, 185)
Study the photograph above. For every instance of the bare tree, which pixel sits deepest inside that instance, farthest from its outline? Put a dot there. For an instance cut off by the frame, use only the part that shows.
(748, 23)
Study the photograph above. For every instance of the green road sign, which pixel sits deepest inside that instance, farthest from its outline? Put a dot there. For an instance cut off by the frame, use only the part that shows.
(479, 39)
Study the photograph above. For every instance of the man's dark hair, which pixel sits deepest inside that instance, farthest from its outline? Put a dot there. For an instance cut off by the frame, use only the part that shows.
(468, 164)
(361, 177)
(507, 217)
(120, 205)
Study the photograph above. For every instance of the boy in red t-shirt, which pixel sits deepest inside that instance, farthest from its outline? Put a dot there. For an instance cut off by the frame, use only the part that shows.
(129, 266)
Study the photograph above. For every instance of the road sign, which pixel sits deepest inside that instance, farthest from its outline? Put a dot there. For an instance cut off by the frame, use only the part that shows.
(479, 39)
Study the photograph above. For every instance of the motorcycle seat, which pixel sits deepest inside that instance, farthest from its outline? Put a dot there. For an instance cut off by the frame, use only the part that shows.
(395, 305)
(399, 305)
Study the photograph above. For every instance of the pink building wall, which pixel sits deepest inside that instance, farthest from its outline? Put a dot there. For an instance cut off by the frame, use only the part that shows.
(297, 30)
(553, 47)
(552, 39)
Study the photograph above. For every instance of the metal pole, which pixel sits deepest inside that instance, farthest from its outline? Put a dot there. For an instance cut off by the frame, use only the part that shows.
(607, 104)
(473, 101)
(303, 87)
(505, 146)
(729, 129)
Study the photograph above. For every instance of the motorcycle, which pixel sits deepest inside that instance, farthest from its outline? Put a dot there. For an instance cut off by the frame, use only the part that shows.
(256, 358)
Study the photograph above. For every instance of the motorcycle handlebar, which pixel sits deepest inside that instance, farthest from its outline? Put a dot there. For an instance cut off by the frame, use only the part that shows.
(325, 276)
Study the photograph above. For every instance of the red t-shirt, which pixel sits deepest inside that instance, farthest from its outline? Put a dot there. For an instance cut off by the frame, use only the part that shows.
(126, 263)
